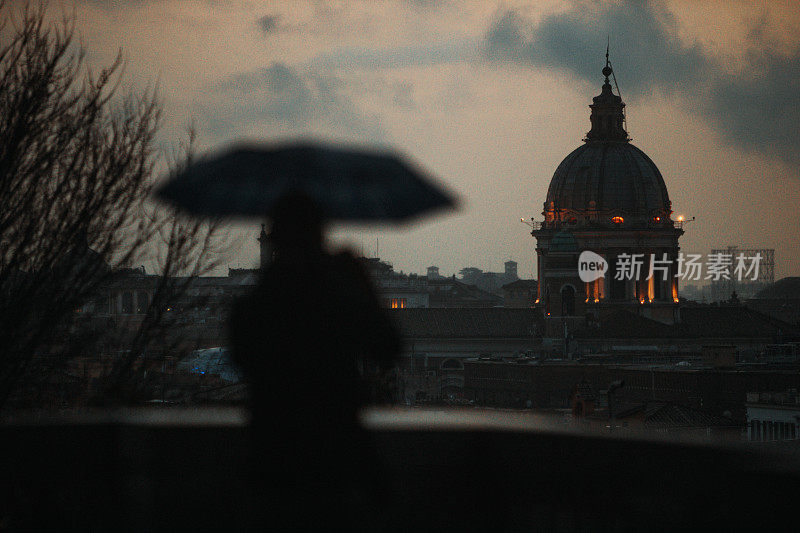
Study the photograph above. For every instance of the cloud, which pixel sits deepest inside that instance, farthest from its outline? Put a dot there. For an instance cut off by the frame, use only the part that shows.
(451, 51)
(269, 23)
(290, 102)
(757, 109)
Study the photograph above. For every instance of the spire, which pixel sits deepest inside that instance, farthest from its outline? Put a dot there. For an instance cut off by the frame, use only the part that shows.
(608, 112)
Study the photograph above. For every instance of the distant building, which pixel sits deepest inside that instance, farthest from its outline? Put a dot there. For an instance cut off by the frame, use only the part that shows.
(590, 409)
(433, 272)
(438, 341)
(395, 289)
(773, 416)
(490, 281)
(520, 382)
(450, 292)
(520, 293)
(698, 326)
(780, 299)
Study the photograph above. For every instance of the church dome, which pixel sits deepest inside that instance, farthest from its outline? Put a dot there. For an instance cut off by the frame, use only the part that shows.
(607, 178)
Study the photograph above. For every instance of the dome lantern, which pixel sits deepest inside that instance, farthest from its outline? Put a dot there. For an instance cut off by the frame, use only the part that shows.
(608, 113)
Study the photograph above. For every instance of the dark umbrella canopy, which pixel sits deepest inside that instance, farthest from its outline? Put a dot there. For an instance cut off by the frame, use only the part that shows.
(348, 184)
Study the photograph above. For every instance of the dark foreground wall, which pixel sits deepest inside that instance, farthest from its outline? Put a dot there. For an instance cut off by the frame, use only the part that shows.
(492, 474)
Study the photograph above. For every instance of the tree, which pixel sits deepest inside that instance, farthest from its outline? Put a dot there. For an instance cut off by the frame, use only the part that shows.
(77, 165)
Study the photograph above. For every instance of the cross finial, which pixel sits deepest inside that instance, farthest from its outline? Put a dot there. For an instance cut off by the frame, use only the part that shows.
(607, 69)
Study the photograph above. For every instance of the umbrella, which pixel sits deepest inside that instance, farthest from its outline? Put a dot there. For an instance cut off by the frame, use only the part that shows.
(347, 183)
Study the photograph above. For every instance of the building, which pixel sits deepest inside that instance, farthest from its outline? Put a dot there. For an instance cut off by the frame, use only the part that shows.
(608, 197)
(780, 299)
(747, 332)
(773, 416)
(395, 289)
(450, 292)
(520, 382)
(520, 293)
(592, 410)
(438, 341)
(433, 272)
(490, 281)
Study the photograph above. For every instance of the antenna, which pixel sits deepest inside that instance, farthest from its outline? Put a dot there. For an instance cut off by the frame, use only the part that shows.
(616, 85)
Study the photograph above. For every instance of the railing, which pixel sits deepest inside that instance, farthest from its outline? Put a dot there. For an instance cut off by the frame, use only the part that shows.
(537, 225)
(163, 469)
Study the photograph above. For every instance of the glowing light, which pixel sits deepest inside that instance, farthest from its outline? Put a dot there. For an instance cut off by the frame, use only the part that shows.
(675, 300)
(596, 300)
(641, 301)
(536, 301)
(658, 219)
(680, 218)
(617, 220)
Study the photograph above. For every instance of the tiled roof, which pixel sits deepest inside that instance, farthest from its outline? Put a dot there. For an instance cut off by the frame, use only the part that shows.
(521, 284)
(671, 415)
(467, 322)
(696, 323)
(730, 321)
(455, 293)
(623, 324)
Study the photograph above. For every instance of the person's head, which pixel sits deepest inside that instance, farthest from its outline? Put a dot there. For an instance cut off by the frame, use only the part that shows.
(297, 224)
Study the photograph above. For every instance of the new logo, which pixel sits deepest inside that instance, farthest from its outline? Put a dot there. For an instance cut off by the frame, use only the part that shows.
(591, 266)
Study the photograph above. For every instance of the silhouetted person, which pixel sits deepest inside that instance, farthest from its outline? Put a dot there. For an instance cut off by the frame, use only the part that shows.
(300, 338)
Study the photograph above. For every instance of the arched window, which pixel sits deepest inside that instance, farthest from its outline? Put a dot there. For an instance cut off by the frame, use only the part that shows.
(567, 300)
(755, 430)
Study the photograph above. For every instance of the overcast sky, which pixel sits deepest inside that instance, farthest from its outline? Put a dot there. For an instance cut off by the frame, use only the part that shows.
(490, 97)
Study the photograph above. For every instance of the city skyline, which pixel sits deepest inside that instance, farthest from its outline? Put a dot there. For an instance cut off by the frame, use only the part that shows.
(489, 98)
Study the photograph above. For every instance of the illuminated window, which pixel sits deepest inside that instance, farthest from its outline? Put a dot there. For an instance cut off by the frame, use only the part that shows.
(617, 220)
(397, 303)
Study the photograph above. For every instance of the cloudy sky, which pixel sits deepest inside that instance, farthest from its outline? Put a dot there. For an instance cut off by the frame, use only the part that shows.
(489, 96)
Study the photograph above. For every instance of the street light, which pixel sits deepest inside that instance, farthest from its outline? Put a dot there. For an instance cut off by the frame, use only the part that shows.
(682, 221)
